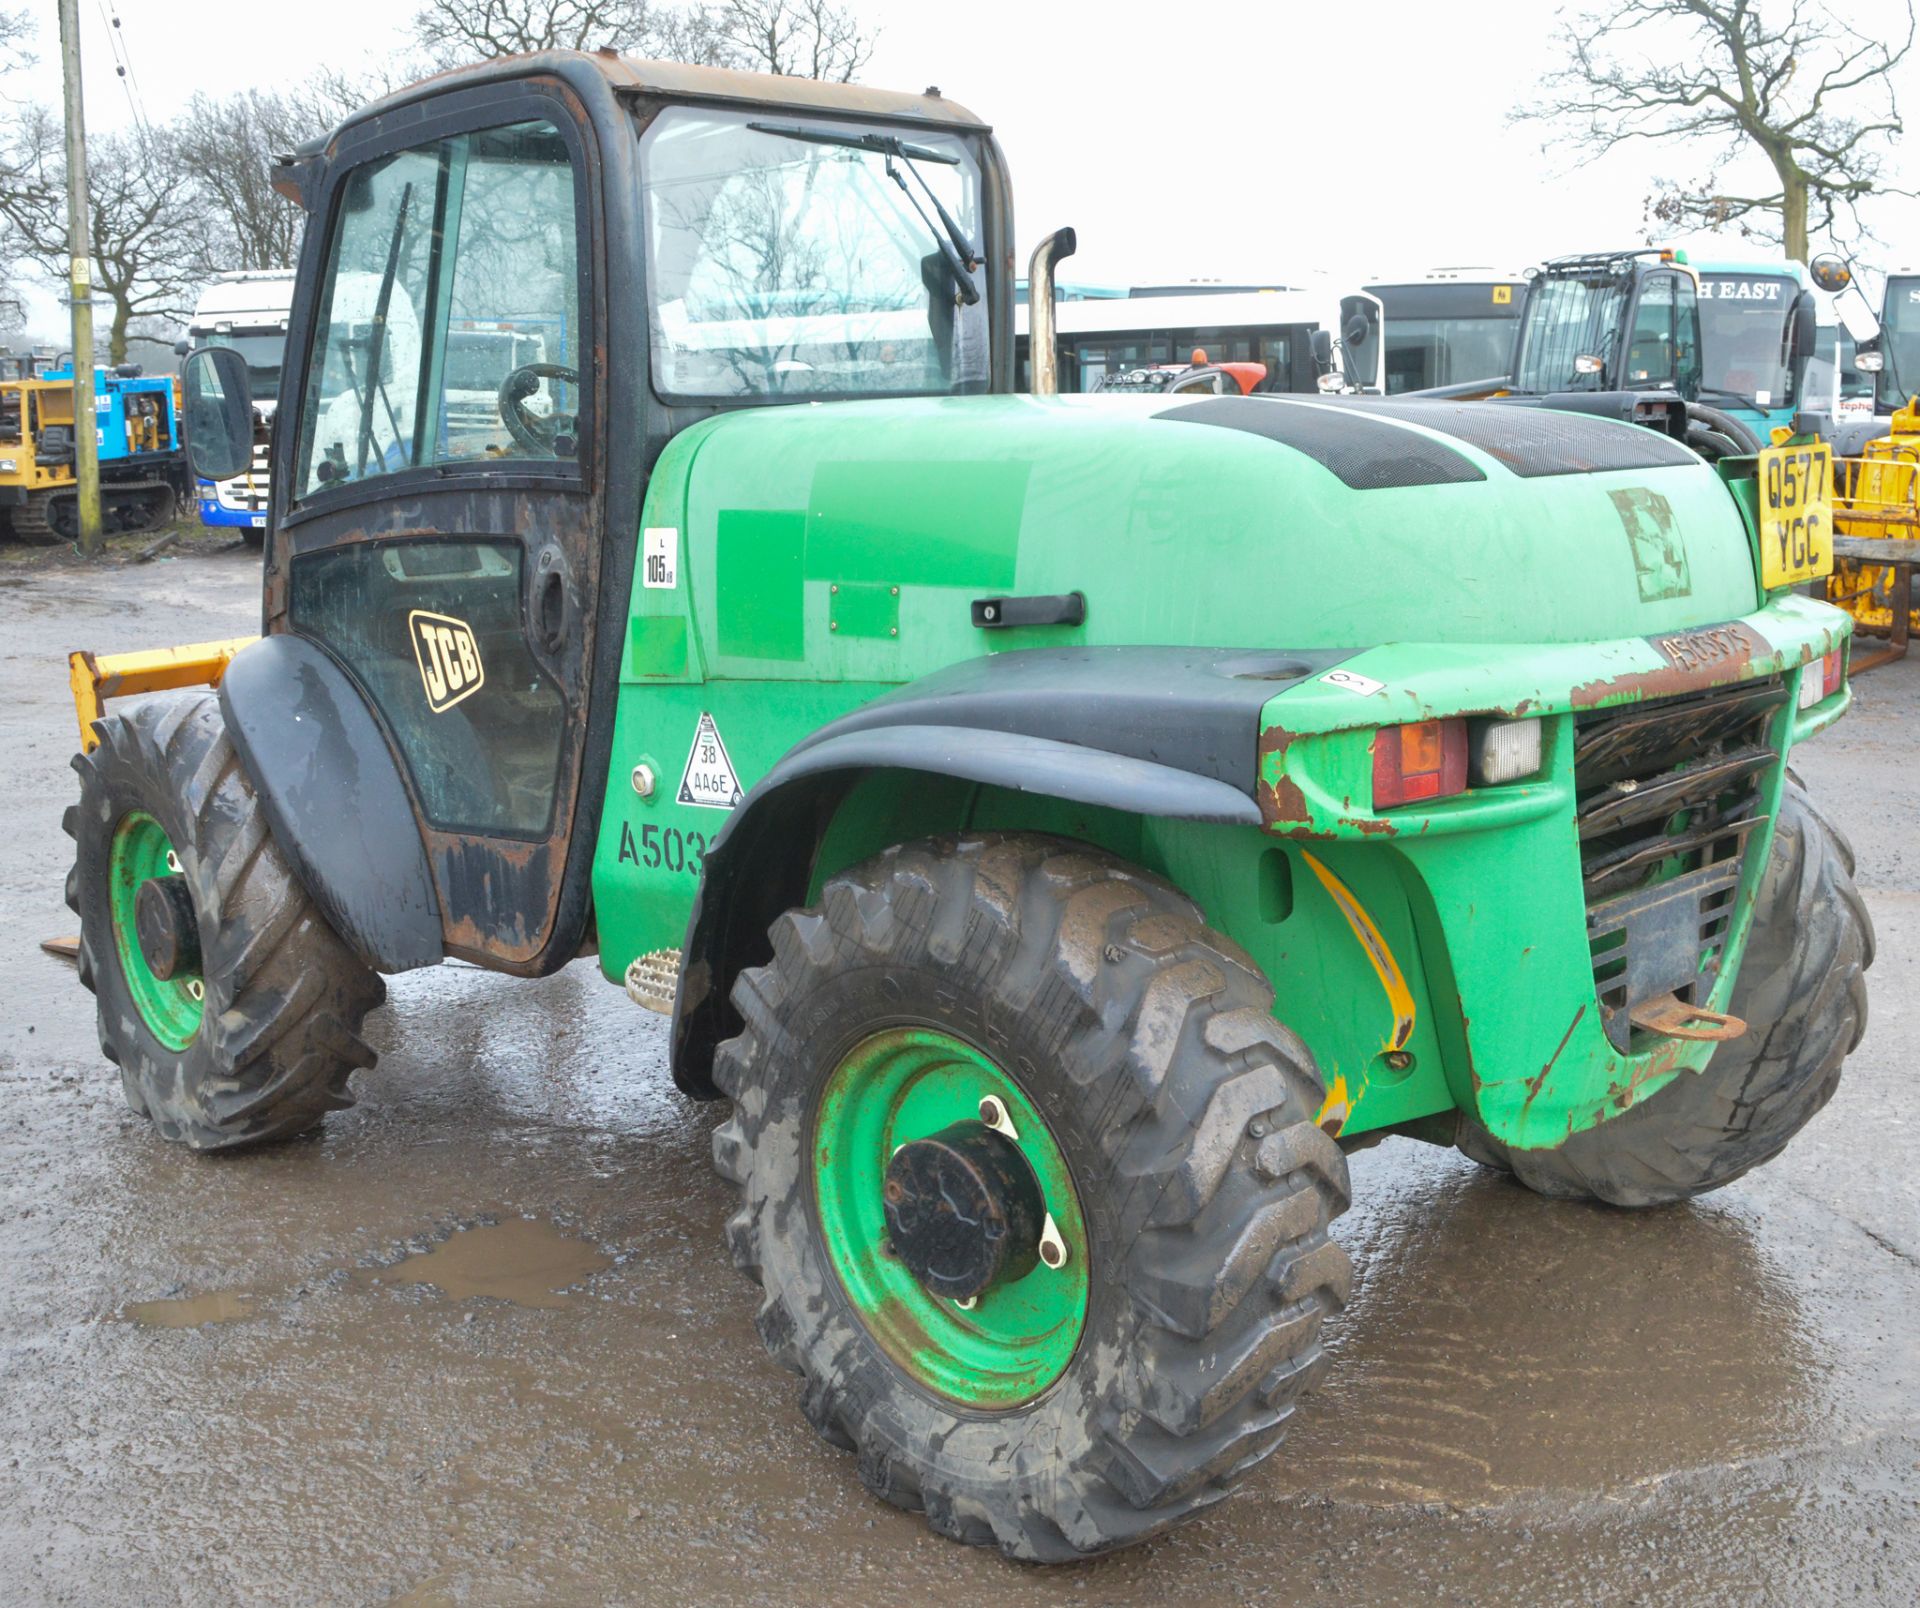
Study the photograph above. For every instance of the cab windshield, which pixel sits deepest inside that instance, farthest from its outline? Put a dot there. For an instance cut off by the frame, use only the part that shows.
(1743, 336)
(1568, 318)
(1900, 319)
(263, 351)
(778, 266)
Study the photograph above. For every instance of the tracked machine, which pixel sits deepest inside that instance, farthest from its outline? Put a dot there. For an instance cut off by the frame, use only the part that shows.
(135, 422)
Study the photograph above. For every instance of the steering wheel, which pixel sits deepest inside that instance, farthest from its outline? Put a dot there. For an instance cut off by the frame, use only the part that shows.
(531, 430)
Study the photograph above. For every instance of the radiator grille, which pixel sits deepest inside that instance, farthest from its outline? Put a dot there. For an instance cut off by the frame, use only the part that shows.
(1667, 800)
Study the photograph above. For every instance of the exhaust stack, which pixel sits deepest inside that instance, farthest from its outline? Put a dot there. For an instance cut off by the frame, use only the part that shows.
(1043, 359)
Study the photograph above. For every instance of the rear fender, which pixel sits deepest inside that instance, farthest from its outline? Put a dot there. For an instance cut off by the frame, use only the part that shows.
(1167, 733)
(332, 793)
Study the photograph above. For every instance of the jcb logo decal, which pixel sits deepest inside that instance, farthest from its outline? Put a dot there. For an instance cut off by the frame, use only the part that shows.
(450, 667)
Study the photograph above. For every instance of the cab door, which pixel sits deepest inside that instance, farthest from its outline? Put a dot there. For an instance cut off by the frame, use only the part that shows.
(439, 506)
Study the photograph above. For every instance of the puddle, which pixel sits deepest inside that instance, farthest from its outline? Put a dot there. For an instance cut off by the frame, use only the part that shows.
(190, 1311)
(524, 1260)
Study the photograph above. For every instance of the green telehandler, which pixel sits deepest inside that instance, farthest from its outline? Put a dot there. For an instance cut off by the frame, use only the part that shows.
(1061, 827)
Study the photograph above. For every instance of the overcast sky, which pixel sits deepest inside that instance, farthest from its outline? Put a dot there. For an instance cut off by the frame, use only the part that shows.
(1236, 139)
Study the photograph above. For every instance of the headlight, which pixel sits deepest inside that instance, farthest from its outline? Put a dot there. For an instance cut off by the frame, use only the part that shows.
(1502, 751)
(9, 466)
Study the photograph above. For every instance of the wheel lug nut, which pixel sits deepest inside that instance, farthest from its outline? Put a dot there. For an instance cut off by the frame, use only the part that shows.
(993, 1112)
(1053, 1249)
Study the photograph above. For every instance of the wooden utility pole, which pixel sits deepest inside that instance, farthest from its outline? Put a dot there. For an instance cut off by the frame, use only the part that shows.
(86, 440)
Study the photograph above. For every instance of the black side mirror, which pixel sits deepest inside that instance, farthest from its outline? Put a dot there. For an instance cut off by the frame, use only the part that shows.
(1322, 342)
(217, 421)
(1803, 334)
(181, 347)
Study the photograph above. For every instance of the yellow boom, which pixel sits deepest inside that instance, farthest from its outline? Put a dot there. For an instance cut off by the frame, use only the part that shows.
(97, 678)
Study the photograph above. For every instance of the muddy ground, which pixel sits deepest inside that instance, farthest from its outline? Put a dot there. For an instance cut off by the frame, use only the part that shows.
(479, 1342)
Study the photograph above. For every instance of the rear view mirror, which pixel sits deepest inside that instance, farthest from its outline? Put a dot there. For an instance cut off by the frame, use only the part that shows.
(1322, 341)
(1830, 274)
(217, 421)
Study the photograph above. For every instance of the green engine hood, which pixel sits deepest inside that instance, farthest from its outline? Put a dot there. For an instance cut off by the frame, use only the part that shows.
(855, 534)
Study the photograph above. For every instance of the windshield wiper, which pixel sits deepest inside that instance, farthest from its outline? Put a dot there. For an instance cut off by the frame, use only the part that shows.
(377, 337)
(1732, 396)
(961, 255)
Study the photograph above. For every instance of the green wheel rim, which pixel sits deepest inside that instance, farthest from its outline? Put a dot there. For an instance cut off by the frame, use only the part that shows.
(170, 1007)
(909, 1083)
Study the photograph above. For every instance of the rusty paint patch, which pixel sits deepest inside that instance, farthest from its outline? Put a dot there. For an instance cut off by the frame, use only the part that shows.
(1708, 657)
(1539, 1079)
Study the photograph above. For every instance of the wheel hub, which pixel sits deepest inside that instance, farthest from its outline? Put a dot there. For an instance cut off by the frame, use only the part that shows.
(963, 1210)
(164, 924)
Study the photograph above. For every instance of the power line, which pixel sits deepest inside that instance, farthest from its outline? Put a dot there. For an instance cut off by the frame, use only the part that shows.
(123, 64)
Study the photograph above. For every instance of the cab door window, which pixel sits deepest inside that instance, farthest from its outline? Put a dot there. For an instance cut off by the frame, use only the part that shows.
(1653, 350)
(450, 328)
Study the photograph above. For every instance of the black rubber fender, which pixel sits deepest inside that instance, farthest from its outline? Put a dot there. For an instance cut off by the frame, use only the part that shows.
(331, 789)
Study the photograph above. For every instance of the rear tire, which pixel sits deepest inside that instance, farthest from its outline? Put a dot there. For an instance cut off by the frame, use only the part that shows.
(276, 1034)
(1185, 1115)
(1801, 991)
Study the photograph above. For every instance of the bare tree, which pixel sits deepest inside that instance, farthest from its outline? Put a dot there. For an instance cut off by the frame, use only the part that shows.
(1797, 86)
(801, 38)
(16, 30)
(228, 146)
(806, 38)
(142, 257)
(456, 31)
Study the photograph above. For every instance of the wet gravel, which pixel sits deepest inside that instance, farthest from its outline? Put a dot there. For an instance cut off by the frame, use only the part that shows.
(478, 1341)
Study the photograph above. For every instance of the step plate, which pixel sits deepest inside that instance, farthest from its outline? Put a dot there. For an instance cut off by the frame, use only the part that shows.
(654, 979)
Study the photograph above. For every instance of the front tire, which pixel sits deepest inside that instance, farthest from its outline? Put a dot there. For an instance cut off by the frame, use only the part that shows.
(1091, 997)
(254, 1039)
(1802, 993)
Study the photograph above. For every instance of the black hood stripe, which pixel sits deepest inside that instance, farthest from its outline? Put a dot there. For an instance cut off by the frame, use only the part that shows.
(1533, 441)
(1368, 454)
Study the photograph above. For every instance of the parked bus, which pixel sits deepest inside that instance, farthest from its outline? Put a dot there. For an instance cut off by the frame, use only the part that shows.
(1749, 312)
(248, 312)
(1449, 326)
(1101, 336)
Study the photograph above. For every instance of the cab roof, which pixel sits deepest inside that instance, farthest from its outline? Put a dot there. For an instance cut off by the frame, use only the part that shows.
(682, 81)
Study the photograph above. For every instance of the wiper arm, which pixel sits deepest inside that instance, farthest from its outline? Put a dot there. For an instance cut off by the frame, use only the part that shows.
(961, 254)
(1732, 396)
(377, 337)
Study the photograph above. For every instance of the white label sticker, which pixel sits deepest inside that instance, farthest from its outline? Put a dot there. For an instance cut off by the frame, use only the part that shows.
(1366, 686)
(660, 556)
(709, 780)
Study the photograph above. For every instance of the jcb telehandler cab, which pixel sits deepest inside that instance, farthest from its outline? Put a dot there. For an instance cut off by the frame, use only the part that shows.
(1034, 830)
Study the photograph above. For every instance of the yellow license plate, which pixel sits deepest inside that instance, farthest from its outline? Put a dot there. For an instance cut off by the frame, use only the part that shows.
(1796, 514)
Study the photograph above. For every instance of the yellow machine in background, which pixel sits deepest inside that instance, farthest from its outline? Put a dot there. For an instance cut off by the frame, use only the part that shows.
(1877, 499)
(135, 425)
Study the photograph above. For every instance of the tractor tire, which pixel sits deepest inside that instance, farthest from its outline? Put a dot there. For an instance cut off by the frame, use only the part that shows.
(1802, 993)
(1145, 1045)
(264, 1049)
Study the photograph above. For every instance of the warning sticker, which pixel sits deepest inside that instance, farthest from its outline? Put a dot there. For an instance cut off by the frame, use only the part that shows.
(660, 555)
(709, 780)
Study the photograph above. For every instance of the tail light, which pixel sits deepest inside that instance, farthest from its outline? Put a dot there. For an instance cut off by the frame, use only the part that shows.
(1821, 681)
(1414, 763)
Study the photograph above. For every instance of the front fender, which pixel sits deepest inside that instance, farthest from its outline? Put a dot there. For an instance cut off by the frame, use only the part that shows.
(331, 791)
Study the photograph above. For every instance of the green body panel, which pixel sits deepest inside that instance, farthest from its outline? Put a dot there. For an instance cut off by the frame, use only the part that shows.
(828, 553)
